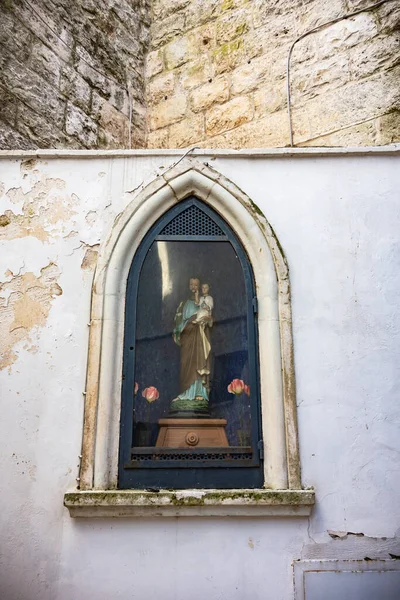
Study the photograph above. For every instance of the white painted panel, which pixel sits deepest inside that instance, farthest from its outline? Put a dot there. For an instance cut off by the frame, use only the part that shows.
(338, 220)
(348, 585)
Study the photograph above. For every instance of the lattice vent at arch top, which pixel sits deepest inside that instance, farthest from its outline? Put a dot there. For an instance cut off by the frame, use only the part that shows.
(192, 221)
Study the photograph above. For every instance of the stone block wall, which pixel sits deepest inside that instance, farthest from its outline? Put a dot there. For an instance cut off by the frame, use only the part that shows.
(71, 73)
(215, 73)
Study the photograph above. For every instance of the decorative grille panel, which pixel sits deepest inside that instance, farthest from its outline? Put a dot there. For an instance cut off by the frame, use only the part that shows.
(192, 221)
(231, 454)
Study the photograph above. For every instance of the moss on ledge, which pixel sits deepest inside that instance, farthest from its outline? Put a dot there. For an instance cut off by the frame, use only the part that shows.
(189, 503)
(166, 498)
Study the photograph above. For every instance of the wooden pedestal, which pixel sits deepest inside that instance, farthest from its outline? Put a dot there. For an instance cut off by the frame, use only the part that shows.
(192, 433)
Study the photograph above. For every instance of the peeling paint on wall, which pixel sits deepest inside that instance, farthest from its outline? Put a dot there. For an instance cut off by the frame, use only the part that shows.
(44, 209)
(91, 217)
(349, 545)
(90, 259)
(25, 302)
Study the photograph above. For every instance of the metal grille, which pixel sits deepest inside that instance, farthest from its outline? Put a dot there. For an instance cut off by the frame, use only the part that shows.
(192, 221)
(198, 456)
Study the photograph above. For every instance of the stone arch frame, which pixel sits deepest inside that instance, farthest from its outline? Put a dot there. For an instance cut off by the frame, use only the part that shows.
(99, 462)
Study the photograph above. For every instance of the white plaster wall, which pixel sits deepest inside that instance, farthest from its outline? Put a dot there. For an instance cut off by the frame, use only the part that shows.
(338, 220)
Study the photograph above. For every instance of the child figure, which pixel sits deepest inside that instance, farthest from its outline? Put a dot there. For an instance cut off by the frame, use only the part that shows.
(206, 304)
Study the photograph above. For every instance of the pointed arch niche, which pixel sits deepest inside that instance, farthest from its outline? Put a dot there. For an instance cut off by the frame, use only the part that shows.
(98, 493)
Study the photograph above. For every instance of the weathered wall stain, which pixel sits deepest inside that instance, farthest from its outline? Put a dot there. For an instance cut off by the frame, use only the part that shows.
(24, 466)
(4, 220)
(28, 165)
(44, 210)
(25, 302)
(89, 261)
(91, 217)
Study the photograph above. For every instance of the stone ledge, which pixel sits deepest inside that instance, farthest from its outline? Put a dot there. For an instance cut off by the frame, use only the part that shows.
(287, 152)
(190, 503)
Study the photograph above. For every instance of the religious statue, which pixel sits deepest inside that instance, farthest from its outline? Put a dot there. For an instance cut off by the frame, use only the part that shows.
(193, 321)
(189, 423)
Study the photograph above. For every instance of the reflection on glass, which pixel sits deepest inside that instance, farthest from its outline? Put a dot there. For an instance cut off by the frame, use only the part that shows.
(166, 285)
(191, 361)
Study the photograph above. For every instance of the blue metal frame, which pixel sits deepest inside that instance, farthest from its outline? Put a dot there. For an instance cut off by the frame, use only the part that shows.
(243, 472)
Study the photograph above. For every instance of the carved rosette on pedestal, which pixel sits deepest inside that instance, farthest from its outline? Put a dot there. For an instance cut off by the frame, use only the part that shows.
(192, 433)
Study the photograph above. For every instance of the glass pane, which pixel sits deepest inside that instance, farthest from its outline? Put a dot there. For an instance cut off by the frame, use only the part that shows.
(191, 361)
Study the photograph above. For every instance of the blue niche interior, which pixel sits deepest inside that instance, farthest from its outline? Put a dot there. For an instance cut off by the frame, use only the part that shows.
(163, 284)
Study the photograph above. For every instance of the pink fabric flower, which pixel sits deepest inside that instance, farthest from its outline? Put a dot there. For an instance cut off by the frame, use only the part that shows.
(247, 390)
(136, 388)
(151, 394)
(236, 387)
